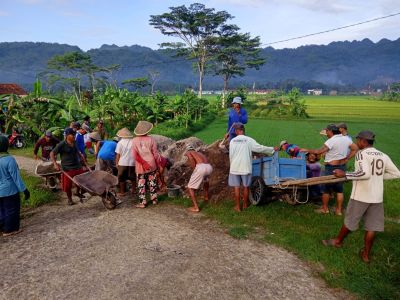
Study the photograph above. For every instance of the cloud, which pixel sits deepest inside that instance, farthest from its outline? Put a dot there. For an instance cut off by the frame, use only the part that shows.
(323, 5)
(4, 13)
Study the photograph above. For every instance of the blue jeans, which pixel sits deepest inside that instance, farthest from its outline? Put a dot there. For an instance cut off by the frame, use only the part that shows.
(9, 212)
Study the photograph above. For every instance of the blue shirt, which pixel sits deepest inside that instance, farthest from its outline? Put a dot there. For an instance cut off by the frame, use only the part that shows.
(107, 150)
(80, 143)
(10, 180)
(234, 117)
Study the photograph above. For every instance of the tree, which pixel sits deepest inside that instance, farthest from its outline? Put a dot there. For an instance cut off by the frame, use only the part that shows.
(137, 83)
(197, 26)
(234, 54)
(154, 76)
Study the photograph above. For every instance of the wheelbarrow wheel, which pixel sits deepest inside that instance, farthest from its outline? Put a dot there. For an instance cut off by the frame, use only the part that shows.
(257, 191)
(109, 200)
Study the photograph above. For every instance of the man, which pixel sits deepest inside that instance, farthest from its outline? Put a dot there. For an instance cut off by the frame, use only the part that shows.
(106, 156)
(240, 156)
(338, 149)
(80, 139)
(71, 164)
(201, 172)
(366, 201)
(102, 130)
(236, 114)
(125, 161)
(343, 129)
(47, 143)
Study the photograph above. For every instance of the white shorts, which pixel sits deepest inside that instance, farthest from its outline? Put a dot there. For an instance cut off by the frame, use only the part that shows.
(200, 174)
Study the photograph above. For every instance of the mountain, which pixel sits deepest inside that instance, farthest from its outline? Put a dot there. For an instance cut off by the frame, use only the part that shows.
(356, 63)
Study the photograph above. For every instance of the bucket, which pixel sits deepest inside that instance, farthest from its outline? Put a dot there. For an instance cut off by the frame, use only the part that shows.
(173, 190)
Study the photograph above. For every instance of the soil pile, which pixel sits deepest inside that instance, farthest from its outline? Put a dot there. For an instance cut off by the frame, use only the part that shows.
(163, 142)
(46, 168)
(180, 172)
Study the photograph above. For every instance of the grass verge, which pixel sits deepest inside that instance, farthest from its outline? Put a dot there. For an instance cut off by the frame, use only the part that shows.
(39, 194)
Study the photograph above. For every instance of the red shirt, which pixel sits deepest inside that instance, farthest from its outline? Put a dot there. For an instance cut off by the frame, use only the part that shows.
(47, 146)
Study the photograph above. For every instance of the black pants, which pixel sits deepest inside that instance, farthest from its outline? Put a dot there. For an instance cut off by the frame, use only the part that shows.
(9, 212)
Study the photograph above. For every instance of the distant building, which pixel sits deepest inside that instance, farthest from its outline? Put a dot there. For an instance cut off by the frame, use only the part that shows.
(333, 93)
(315, 92)
(12, 88)
(263, 92)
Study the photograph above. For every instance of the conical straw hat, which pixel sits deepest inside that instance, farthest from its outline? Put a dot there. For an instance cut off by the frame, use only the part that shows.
(143, 128)
(95, 136)
(124, 133)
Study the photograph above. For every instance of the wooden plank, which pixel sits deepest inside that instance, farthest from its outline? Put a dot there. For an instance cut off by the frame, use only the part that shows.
(313, 181)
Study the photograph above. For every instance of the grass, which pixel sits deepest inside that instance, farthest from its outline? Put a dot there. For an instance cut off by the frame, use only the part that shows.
(39, 193)
(298, 228)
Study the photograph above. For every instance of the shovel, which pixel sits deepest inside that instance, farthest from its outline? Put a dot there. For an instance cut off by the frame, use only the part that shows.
(221, 145)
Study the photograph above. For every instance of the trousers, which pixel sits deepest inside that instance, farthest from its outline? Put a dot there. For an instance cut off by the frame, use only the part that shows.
(9, 212)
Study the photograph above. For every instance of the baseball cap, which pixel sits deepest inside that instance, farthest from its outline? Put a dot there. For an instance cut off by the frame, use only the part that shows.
(342, 125)
(367, 135)
(237, 100)
(332, 127)
(238, 125)
(69, 131)
(48, 133)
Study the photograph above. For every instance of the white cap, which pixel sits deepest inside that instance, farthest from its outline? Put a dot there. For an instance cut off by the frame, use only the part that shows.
(237, 100)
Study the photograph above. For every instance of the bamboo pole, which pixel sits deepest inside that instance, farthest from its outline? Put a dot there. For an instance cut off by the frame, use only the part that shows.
(313, 181)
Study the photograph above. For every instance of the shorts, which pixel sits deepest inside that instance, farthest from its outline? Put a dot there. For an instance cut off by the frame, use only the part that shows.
(200, 174)
(66, 183)
(236, 180)
(126, 173)
(332, 187)
(371, 213)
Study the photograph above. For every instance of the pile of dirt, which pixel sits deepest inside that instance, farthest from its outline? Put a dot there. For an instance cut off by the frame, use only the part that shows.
(180, 172)
(46, 168)
(163, 142)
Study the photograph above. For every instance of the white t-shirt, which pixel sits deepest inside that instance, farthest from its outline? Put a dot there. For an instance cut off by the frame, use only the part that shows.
(240, 154)
(124, 149)
(338, 146)
(371, 168)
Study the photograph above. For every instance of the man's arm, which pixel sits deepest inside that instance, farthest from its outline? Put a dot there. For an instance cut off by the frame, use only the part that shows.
(37, 146)
(353, 150)
(362, 170)
(243, 116)
(391, 171)
(319, 151)
(256, 147)
(117, 157)
(191, 160)
(53, 154)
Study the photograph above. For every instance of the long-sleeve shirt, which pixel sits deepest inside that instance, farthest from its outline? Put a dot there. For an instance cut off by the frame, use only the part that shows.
(240, 154)
(371, 168)
(144, 149)
(234, 117)
(10, 179)
(47, 146)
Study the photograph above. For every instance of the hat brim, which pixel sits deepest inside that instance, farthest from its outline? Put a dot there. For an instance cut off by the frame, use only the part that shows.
(143, 131)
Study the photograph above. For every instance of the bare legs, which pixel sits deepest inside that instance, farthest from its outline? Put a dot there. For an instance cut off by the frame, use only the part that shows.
(195, 207)
(237, 206)
(344, 231)
(339, 203)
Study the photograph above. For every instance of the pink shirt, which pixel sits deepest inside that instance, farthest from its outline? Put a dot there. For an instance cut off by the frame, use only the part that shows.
(146, 147)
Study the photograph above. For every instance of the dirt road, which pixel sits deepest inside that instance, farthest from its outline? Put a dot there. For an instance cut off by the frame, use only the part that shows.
(86, 252)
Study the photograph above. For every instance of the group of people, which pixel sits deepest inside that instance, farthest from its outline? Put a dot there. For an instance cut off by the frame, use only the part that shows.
(135, 158)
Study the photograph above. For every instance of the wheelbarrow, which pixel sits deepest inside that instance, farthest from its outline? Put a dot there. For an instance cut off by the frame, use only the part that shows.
(47, 171)
(98, 183)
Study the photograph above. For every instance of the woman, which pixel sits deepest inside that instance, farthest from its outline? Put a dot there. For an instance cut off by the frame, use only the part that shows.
(145, 153)
(11, 185)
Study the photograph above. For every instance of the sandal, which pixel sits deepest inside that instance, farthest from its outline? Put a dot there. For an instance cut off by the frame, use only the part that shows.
(321, 211)
(331, 243)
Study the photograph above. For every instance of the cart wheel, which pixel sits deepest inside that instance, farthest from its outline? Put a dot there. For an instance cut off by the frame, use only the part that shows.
(257, 190)
(109, 200)
(52, 182)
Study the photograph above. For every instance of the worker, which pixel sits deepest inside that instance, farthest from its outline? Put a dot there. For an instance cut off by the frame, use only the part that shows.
(240, 156)
(291, 149)
(201, 173)
(125, 161)
(338, 149)
(236, 114)
(47, 143)
(366, 201)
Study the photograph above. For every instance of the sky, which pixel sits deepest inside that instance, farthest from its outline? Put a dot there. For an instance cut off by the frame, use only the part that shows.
(92, 23)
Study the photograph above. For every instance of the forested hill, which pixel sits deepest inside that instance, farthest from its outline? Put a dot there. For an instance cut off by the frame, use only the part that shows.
(356, 63)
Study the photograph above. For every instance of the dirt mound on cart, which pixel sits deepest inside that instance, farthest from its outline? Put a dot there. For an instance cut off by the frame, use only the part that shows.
(46, 168)
(180, 173)
(163, 142)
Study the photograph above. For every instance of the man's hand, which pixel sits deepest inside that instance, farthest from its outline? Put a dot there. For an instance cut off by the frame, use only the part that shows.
(27, 194)
(339, 173)
(276, 148)
(305, 150)
(57, 167)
